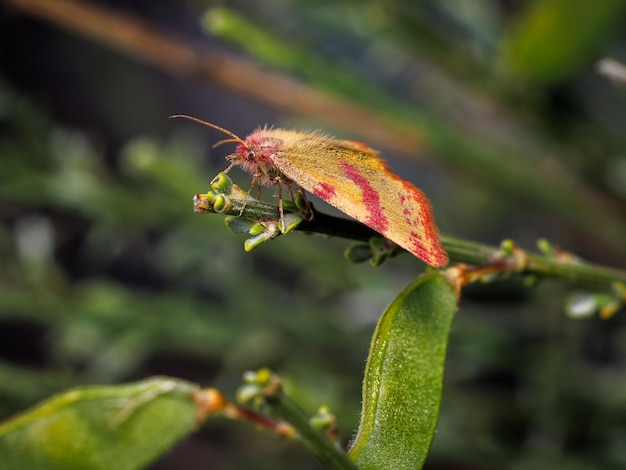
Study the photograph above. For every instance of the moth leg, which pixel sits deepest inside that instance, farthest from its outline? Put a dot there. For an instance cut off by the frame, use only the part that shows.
(230, 167)
(308, 211)
(255, 181)
(224, 172)
(280, 206)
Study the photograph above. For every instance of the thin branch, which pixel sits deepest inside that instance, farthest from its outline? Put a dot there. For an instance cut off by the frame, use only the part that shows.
(565, 267)
(268, 386)
(314, 439)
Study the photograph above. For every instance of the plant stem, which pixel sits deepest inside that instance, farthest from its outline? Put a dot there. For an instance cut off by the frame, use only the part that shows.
(332, 456)
(459, 250)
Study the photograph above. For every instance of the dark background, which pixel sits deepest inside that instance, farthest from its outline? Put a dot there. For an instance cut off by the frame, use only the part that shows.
(107, 275)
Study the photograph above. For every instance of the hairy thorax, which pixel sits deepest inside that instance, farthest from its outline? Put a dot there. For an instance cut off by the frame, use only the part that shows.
(257, 157)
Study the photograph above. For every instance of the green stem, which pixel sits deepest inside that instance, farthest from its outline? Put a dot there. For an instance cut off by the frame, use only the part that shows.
(578, 272)
(459, 250)
(329, 454)
(583, 272)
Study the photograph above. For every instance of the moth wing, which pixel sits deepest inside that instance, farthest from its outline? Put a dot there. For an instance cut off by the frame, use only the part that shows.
(353, 178)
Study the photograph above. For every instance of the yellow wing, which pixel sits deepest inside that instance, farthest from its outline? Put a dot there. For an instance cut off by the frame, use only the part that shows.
(353, 178)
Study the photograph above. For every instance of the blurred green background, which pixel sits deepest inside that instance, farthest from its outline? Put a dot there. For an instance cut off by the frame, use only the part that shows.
(496, 109)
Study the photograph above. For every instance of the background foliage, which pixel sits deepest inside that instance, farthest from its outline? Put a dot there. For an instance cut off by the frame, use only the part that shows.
(107, 276)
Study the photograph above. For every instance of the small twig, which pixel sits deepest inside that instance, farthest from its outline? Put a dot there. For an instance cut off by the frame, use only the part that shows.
(313, 438)
(269, 386)
(459, 250)
(211, 402)
(292, 424)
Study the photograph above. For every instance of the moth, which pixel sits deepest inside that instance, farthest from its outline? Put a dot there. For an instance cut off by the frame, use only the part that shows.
(348, 175)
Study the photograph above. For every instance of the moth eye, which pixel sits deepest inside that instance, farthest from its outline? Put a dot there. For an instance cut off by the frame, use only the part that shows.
(250, 155)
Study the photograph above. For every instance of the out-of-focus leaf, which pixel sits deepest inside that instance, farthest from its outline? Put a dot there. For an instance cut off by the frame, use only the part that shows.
(556, 37)
(123, 427)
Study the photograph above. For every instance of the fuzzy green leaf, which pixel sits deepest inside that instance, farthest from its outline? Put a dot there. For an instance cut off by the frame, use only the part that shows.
(403, 377)
(101, 427)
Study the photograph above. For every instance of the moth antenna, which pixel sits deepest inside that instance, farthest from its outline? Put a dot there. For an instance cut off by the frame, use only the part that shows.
(235, 137)
(225, 141)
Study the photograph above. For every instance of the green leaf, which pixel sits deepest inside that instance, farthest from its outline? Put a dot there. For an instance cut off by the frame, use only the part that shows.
(101, 427)
(403, 377)
(554, 38)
